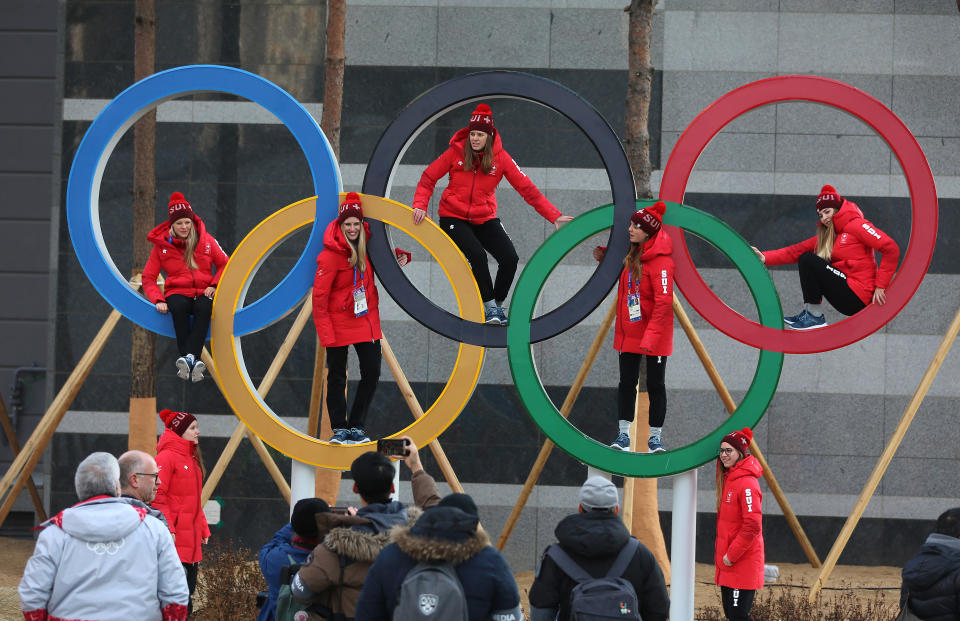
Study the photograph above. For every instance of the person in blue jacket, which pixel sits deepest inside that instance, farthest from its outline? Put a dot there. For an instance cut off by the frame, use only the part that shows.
(291, 544)
(447, 532)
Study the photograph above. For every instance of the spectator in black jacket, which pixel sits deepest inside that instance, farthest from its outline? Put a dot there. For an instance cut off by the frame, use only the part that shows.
(593, 537)
(931, 579)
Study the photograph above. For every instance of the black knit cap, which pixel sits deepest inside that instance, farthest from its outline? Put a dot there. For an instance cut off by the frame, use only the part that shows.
(303, 520)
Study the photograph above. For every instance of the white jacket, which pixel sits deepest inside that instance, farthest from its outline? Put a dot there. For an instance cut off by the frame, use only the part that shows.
(105, 560)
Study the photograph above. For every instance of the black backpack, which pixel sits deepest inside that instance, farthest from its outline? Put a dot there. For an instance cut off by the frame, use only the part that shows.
(595, 599)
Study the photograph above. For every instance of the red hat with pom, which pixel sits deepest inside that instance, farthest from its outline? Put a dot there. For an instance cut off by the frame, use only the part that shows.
(650, 218)
(178, 208)
(740, 440)
(828, 198)
(177, 421)
(350, 208)
(482, 119)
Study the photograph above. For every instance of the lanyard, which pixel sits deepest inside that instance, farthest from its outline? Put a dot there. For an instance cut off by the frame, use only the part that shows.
(355, 278)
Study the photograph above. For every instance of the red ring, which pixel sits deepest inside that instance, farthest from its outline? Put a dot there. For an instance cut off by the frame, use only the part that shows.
(923, 205)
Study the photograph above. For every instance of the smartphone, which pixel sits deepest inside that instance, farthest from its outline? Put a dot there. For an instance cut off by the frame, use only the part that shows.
(339, 510)
(392, 447)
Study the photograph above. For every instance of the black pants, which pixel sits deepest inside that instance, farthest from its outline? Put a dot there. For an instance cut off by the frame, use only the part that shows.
(819, 279)
(656, 387)
(191, 570)
(475, 241)
(190, 336)
(737, 603)
(369, 355)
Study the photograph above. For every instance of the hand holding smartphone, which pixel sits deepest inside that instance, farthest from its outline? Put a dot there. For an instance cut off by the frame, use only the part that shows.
(393, 447)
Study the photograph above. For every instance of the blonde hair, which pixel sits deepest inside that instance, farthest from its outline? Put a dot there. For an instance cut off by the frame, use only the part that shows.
(486, 158)
(358, 252)
(189, 245)
(826, 236)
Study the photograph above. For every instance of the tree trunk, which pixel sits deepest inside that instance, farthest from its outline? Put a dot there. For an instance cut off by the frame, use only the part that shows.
(143, 358)
(645, 522)
(328, 481)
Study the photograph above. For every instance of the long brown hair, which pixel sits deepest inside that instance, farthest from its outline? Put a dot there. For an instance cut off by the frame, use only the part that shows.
(197, 455)
(632, 261)
(826, 236)
(358, 251)
(722, 476)
(485, 155)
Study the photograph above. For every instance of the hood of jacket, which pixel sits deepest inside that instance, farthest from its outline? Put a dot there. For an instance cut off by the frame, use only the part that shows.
(160, 235)
(746, 467)
(592, 534)
(847, 213)
(939, 556)
(351, 536)
(442, 534)
(171, 441)
(462, 134)
(334, 240)
(383, 516)
(661, 244)
(100, 521)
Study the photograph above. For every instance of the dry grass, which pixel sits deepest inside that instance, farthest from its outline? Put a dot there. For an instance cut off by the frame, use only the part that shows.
(780, 604)
(228, 584)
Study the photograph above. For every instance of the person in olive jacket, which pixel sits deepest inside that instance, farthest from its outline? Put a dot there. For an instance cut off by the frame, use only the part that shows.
(192, 261)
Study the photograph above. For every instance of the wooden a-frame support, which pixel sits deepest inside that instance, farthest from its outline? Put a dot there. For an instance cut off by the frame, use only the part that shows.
(906, 419)
(11, 434)
(574, 392)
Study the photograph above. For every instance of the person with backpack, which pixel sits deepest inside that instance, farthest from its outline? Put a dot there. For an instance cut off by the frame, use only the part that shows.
(597, 570)
(333, 574)
(442, 567)
(289, 545)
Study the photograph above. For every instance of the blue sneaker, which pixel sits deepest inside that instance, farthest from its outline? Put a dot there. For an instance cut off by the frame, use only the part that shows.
(809, 322)
(492, 316)
(357, 436)
(502, 312)
(654, 446)
(622, 442)
(793, 318)
(340, 436)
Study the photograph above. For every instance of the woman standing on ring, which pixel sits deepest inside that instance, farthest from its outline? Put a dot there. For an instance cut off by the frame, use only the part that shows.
(838, 262)
(180, 465)
(738, 555)
(475, 163)
(644, 322)
(346, 312)
(187, 254)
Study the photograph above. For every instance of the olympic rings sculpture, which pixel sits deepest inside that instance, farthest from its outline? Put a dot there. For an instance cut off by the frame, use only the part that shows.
(232, 319)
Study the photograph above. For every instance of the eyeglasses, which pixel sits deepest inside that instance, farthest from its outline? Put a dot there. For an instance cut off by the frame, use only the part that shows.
(155, 475)
(726, 451)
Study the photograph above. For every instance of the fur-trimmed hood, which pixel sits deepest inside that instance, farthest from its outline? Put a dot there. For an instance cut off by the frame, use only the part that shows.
(461, 540)
(341, 537)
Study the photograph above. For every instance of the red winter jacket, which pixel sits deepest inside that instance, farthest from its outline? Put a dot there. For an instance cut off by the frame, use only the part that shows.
(739, 527)
(337, 325)
(168, 256)
(471, 195)
(653, 333)
(852, 254)
(178, 494)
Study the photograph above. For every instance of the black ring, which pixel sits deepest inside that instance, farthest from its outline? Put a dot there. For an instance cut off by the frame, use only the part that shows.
(516, 85)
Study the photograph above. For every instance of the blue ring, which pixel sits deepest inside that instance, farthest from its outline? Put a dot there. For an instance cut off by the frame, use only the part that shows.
(83, 188)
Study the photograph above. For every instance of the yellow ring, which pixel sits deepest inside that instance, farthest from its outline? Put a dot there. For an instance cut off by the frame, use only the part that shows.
(228, 357)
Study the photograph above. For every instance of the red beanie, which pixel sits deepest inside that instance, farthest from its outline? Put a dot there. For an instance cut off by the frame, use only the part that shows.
(482, 119)
(350, 208)
(740, 440)
(650, 218)
(179, 208)
(176, 421)
(829, 197)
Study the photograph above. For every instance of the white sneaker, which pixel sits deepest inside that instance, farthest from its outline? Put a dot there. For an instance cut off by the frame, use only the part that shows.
(196, 374)
(183, 368)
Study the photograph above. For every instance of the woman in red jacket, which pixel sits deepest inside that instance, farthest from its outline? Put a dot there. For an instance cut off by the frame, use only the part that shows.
(475, 163)
(644, 324)
(178, 492)
(838, 262)
(738, 555)
(187, 254)
(346, 312)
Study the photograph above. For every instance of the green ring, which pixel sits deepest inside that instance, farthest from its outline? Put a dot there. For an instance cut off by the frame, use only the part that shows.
(560, 430)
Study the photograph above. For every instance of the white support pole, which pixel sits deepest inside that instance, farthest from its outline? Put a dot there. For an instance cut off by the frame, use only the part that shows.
(683, 542)
(396, 481)
(302, 477)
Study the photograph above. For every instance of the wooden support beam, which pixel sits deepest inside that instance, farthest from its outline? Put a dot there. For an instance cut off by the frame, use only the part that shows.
(11, 434)
(731, 406)
(565, 410)
(887, 456)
